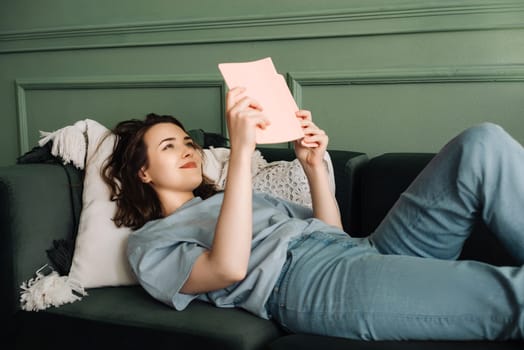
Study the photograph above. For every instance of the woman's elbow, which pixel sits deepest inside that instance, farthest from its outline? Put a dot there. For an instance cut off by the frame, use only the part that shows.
(224, 266)
(228, 269)
(232, 275)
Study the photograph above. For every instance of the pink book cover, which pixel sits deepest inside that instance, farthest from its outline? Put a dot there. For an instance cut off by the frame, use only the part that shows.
(264, 84)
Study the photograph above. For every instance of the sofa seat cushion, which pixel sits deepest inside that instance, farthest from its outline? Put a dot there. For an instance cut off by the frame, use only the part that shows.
(310, 342)
(129, 317)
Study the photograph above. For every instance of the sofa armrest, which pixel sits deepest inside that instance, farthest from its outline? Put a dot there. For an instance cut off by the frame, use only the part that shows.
(386, 176)
(36, 208)
(347, 166)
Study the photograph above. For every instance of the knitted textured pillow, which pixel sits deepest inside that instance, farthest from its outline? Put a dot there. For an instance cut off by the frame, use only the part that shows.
(282, 179)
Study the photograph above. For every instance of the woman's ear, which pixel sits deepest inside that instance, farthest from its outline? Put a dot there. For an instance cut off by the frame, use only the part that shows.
(143, 176)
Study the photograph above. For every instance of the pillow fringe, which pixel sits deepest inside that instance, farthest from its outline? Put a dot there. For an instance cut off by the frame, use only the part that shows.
(69, 143)
(43, 291)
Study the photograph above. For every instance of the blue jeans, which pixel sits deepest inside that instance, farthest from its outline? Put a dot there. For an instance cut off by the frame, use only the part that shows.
(403, 282)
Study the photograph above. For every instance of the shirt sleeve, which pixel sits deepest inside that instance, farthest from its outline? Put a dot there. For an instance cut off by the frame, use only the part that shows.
(162, 268)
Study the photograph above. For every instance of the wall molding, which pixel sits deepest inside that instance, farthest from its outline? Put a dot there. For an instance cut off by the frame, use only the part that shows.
(23, 86)
(296, 81)
(434, 75)
(415, 17)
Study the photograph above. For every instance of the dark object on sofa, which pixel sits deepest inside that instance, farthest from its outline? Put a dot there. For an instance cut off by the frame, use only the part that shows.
(60, 251)
(36, 208)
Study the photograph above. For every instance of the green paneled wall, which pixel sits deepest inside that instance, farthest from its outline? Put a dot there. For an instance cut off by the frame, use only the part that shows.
(378, 75)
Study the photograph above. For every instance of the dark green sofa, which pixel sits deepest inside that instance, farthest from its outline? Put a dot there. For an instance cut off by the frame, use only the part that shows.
(40, 203)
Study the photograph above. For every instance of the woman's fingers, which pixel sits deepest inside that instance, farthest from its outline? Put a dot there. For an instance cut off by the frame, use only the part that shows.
(309, 128)
(245, 104)
(253, 115)
(304, 114)
(234, 95)
(313, 135)
(244, 115)
(244, 107)
(237, 99)
(248, 108)
(315, 138)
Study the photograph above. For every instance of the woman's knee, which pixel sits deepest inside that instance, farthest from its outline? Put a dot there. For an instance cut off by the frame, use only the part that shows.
(486, 134)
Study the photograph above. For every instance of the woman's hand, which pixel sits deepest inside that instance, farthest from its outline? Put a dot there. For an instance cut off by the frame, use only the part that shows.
(244, 115)
(311, 148)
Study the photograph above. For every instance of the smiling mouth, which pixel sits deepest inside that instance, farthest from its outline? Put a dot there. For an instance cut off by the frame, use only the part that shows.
(189, 165)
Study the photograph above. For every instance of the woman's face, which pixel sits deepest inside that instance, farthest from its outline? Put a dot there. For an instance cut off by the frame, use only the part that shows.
(175, 165)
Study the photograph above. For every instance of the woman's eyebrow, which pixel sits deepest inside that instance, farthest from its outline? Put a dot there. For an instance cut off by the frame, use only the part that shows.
(187, 137)
(167, 139)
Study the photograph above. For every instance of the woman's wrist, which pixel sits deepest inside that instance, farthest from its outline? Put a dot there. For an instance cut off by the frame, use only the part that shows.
(242, 156)
(314, 170)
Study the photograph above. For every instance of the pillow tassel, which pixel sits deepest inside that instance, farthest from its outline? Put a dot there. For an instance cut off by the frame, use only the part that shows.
(43, 291)
(69, 143)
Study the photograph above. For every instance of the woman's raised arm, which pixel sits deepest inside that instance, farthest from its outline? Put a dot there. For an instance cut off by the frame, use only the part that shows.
(310, 152)
(227, 260)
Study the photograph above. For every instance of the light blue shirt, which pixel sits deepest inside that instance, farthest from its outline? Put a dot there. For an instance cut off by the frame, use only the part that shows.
(163, 251)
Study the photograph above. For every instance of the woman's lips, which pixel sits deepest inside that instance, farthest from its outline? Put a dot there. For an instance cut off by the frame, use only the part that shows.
(189, 165)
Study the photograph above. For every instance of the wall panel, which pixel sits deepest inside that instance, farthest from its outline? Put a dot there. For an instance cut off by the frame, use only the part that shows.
(52, 104)
(401, 110)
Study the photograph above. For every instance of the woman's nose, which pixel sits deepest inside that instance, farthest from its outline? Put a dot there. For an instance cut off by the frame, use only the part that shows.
(188, 151)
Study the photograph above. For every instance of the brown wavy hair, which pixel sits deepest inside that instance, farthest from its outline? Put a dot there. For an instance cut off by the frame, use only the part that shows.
(137, 202)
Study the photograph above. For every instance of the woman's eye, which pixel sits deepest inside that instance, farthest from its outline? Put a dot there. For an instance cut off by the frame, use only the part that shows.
(191, 144)
(169, 145)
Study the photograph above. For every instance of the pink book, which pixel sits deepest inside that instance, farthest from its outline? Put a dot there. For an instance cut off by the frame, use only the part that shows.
(264, 84)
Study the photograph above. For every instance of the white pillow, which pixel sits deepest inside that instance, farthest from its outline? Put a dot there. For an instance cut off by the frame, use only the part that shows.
(215, 164)
(99, 258)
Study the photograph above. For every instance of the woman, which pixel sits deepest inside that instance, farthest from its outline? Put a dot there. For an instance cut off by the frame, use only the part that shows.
(296, 266)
